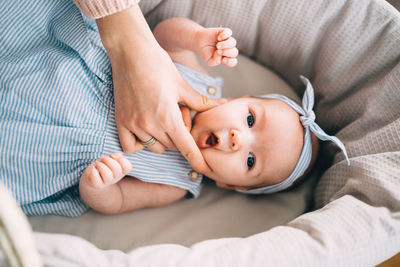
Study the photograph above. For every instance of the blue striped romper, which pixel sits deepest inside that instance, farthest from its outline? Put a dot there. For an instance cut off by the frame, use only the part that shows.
(57, 109)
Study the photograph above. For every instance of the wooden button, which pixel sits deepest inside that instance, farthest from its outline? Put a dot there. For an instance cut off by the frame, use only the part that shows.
(193, 175)
(211, 90)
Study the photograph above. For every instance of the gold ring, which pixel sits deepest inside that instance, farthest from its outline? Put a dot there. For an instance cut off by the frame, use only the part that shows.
(150, 142)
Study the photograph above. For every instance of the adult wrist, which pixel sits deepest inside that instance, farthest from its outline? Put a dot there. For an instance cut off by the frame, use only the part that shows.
(127, 28)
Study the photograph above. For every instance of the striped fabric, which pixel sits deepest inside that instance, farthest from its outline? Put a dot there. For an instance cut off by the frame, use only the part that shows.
(307, 118)
(55, 103)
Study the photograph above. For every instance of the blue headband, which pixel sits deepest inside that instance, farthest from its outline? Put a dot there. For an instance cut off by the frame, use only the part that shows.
(307, 118)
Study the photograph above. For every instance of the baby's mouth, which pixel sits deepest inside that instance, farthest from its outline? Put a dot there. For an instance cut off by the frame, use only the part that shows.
(208, 140)
(212, 140)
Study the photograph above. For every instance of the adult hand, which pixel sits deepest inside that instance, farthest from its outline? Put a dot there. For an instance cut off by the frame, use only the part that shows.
(148, 88)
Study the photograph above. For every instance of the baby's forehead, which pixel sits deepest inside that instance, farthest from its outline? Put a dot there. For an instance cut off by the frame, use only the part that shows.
(271, 103)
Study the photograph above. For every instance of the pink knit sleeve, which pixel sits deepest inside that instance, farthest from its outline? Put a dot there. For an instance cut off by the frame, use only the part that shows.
(101, 8)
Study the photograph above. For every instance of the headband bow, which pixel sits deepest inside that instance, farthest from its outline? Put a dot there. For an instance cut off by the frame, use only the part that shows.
(307, 118)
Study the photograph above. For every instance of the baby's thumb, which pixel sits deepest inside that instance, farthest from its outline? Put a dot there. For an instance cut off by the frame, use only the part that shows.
(198, 102)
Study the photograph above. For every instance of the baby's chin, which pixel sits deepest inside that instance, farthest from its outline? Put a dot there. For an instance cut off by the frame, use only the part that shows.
(213, 176)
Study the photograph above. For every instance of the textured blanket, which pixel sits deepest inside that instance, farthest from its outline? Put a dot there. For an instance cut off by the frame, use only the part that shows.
(350, 51)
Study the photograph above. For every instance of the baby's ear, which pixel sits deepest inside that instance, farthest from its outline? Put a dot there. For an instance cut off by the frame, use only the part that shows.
(187, 120)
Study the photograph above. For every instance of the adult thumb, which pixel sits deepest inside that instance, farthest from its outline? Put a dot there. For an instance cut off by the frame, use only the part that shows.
(199, 102)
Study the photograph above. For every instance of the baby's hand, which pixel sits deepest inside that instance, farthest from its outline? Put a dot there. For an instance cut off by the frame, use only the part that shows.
(106, 171)
(216, 46)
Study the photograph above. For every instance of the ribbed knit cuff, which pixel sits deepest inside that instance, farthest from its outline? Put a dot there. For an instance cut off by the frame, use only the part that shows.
(100, 8)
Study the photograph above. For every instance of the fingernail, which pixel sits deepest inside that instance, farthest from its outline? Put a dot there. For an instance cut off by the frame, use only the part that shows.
(219, 52)
(219, 46)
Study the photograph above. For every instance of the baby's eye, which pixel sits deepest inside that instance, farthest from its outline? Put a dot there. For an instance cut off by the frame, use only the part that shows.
(250, 161)
(250, 120)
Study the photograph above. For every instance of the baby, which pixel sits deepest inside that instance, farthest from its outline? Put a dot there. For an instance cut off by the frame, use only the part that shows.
(254, 145)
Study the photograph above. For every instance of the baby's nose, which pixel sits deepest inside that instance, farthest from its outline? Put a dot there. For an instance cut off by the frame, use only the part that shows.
(234, 137)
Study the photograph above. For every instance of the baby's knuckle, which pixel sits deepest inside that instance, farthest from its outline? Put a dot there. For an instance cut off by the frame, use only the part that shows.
(126, 166)
(93, 171)
(94, 181)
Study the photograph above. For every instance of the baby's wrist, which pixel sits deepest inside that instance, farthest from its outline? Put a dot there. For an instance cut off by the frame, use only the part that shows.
(196, 40)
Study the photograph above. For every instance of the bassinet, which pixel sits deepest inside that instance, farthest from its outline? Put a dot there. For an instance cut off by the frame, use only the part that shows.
(350, 50)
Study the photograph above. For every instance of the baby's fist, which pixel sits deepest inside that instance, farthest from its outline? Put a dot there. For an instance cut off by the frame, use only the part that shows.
(226, 48)
(217, 46)
(106, 171)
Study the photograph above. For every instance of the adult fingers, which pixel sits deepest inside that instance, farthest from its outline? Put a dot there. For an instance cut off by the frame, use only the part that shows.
(128, 140)
(157, 146)
(198, 102)
(187, 120)
(187, 146)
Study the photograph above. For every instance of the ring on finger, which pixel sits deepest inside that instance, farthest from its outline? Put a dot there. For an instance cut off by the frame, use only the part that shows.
(149, 142)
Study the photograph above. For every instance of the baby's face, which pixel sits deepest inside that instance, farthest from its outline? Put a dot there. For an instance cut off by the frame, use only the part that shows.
(249, 142)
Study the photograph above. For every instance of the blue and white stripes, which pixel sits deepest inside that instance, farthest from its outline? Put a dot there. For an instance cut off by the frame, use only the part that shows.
(307, 118)
(169, 167)
(56, 109)
(55, 85)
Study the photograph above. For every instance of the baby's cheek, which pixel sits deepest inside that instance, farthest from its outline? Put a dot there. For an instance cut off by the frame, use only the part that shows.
(223, 165)
(212, 159)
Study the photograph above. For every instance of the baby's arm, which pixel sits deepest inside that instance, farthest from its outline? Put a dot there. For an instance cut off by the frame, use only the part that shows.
(178, 36)
(105, 188)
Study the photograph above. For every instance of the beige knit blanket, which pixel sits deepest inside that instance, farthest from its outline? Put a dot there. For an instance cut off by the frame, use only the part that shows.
(350, 50)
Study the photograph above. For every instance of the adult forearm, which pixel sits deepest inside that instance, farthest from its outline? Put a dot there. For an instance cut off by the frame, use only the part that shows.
(127, 33)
